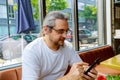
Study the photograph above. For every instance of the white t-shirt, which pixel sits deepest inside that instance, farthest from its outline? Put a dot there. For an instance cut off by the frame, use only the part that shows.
(41, 63)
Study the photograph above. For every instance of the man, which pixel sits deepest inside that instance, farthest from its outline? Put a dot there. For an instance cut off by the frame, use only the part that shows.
(48, 57)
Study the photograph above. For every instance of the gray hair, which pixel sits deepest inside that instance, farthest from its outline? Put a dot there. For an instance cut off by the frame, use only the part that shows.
(52, 16)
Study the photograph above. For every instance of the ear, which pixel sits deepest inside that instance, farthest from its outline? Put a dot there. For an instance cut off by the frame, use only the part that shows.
(45, 30)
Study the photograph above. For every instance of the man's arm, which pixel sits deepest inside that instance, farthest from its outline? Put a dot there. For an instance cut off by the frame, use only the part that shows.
(77, 73)
(30, 67)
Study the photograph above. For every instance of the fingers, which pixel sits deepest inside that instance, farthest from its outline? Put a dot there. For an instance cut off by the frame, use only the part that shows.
(81, 71)
(81, 68)
(91, 75)
(86, 77)
(78, 71)
(93, 71)
(82, 64)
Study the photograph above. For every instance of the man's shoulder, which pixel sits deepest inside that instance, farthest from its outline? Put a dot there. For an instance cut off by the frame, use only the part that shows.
(37, 42)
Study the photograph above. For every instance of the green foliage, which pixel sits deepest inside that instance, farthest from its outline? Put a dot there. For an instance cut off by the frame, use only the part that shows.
(50, 6)
(35, 9)
(15, 6)
(55, 5)
(89, 12)
(109, 77)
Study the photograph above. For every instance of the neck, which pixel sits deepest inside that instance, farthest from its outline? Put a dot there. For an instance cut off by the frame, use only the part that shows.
(50, 44)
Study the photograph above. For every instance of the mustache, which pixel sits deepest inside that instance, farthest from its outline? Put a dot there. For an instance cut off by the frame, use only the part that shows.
(62, 38)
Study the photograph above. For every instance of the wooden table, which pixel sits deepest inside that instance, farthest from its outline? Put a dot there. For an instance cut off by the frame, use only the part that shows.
(110, 66)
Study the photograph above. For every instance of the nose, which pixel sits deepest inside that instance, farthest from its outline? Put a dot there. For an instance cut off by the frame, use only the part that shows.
(64, 35)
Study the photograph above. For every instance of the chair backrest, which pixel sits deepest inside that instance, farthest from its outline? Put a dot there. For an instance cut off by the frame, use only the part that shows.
(19, 73)
(8, 75)
(103, 52)
(11, 74)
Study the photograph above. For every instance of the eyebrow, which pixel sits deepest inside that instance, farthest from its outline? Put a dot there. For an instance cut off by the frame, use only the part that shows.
(63, 29)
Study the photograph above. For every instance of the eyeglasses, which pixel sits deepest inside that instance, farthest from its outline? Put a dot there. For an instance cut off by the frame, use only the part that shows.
(61, 31)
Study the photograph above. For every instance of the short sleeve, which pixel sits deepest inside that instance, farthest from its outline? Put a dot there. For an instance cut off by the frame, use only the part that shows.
(74, 57)
(30, 66)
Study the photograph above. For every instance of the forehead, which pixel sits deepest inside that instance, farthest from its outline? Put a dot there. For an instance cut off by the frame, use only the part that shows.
(61, 24)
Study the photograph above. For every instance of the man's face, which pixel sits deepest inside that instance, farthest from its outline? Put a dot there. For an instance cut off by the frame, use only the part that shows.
(58, 33)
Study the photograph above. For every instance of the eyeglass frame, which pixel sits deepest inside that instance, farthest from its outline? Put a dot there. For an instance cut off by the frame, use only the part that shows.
(61, 31)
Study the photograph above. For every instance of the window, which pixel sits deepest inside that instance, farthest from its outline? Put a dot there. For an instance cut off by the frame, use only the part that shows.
(88, 27)
(11, 12)
(81, 5)
(12, 43)
(11, 46)
(3, 11)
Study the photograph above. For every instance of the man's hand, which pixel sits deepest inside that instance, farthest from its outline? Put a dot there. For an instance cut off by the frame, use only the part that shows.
(92, 75)
(77, 71)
